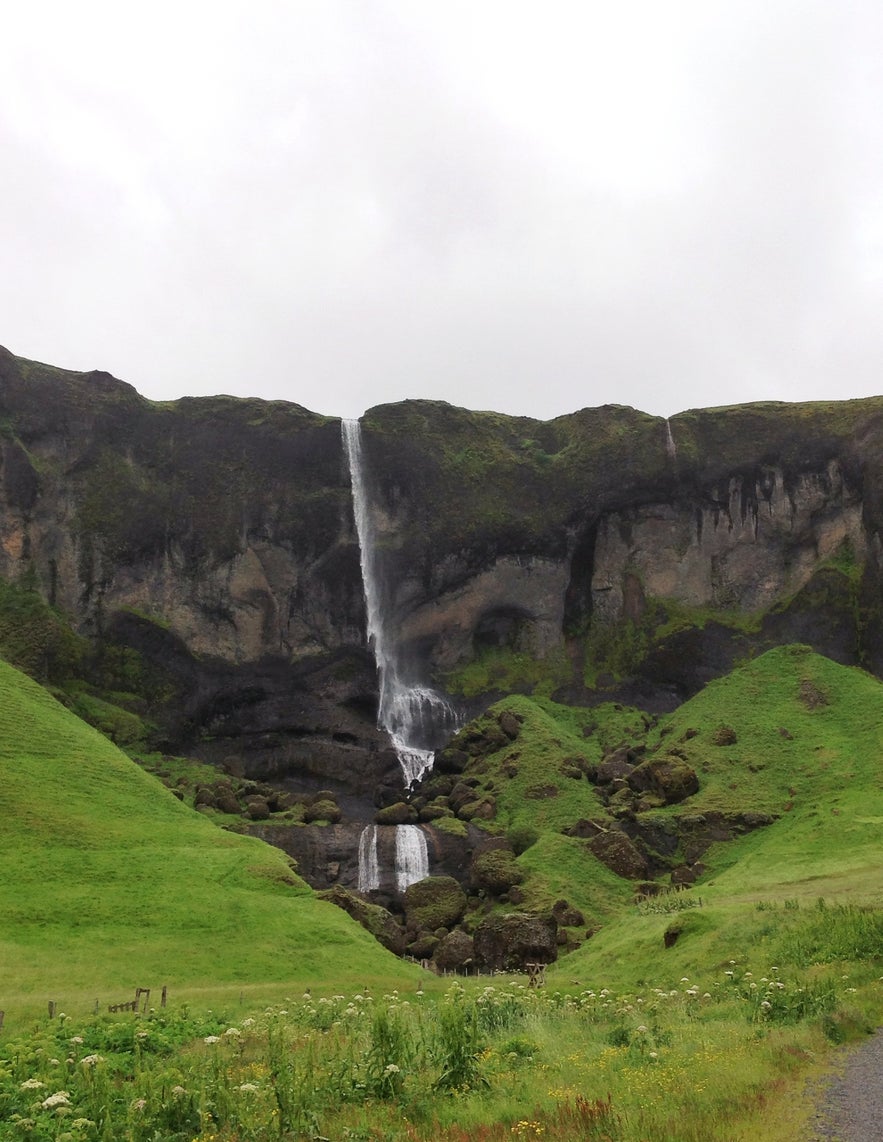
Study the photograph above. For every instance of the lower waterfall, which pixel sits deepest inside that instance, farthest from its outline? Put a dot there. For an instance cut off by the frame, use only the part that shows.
(369, 865)
(412, 857)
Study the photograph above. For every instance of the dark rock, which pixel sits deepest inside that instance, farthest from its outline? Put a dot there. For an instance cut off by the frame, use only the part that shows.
(257, 809)
(619, 854)
(227, 803)
(585, 828)
(668, 777)
(615, 765)
(510, 725)
(724, 735)
(454, 951)
(565, 913)
(423, 946)
(451, 760)
(509, 942)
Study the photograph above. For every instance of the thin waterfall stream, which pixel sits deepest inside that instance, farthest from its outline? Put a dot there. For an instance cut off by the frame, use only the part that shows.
(416, 717)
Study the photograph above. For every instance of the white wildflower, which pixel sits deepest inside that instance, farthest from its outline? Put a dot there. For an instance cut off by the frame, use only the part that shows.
(77, 1040)
(60, 1098)
(248, 1088)
(232, 1033)
(210, 1039)
(391, 1069)
(91, 1060)
(32, 1084)
(139, 1104)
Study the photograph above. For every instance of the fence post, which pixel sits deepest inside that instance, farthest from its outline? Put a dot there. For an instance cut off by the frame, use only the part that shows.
(2, 1016)
(51, 1008)
(164, 995)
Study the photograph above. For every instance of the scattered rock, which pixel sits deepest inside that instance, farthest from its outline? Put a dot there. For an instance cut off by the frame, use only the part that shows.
(396, 814)
(667, 777)
(724, 735)
(497, 871)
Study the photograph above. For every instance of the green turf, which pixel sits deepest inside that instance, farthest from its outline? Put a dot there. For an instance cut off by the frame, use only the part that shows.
(109, 882)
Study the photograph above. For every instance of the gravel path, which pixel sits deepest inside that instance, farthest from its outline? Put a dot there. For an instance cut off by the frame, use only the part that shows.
(851, 1108)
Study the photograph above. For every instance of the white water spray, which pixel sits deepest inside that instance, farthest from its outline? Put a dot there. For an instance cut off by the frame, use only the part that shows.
(413, 715)
(369, 865)
(412, 856)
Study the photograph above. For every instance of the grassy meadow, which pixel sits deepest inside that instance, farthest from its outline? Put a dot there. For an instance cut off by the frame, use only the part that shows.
(691, 1016)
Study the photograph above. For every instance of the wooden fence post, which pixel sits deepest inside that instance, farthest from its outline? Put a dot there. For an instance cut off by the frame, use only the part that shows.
(51, 1008)
(162, 1002)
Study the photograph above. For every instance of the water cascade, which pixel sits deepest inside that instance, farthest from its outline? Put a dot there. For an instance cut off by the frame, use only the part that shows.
(369, 865)
(412, 857)
(417, 718)
(670, 447)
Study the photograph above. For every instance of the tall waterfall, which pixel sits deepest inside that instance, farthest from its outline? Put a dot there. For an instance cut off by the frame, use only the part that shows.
(670, 447)
(412, 856)
(416, 717)
(369, 865)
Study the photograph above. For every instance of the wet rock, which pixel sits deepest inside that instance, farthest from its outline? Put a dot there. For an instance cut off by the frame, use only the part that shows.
(667, 777)
(454, 951)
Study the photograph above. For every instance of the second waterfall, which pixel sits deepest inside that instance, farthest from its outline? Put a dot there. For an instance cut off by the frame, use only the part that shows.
(413, 714)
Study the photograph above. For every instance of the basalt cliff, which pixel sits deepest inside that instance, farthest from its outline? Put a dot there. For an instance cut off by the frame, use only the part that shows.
(199, 564)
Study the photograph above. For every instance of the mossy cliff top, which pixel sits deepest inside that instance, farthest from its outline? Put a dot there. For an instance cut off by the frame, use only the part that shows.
(204, 473)
(483, 483)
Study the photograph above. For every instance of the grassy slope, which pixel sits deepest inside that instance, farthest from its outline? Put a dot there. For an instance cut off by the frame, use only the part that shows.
(824, 781)
(110, 882)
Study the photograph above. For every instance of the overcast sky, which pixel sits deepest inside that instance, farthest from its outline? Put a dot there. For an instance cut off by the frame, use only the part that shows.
(524, 206)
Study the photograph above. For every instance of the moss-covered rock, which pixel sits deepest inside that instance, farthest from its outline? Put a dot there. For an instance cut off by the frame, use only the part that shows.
(436, 902)
(399, 813)
(669, 778)
(496, 870)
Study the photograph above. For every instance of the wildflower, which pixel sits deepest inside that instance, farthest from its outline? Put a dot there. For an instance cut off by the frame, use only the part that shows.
(91, 1060)
(82, 1124)
(142, 1034)
(77, 1040)
(391, 1069)
(54, 1063)
(642, 1030)
(766, 1005)
(653, 1055)
(209, 1039)
(178, 1091)
(139, 1104)
(248, 1088)
(60, 1098)
(32, 1084)
(232, 1033)
(248, 1023)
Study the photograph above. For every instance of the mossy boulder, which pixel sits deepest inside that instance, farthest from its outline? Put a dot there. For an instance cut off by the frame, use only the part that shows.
(496, 870)
(436, 902)
(669, 777)
(323, 811)
(399, 813)
(380, 923)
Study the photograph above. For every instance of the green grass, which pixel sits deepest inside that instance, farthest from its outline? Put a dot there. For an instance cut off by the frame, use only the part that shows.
(109, 882)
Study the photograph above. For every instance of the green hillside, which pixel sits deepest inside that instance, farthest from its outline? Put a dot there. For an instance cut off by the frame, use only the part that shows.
(109, 882)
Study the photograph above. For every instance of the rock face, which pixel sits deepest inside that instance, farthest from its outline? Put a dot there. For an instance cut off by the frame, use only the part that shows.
(213, 539)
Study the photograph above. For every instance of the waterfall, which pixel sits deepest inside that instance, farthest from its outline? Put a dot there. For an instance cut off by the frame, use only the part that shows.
(412, 857)
(416, 717)
(670, 447)
(369, 865)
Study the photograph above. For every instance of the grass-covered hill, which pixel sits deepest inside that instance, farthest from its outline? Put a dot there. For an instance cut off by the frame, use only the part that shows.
(110, 883)
(766, 785)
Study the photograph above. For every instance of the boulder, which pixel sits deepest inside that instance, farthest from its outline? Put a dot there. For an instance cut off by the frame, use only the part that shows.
(454, 951)
(497, 871)
(323, 810)
(398, 814)
(436, 902)
(667, 777)
(509, 942)
(510, 725)
(619, 854)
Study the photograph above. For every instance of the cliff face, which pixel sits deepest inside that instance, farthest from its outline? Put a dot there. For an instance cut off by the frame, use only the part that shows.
(214, 537)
